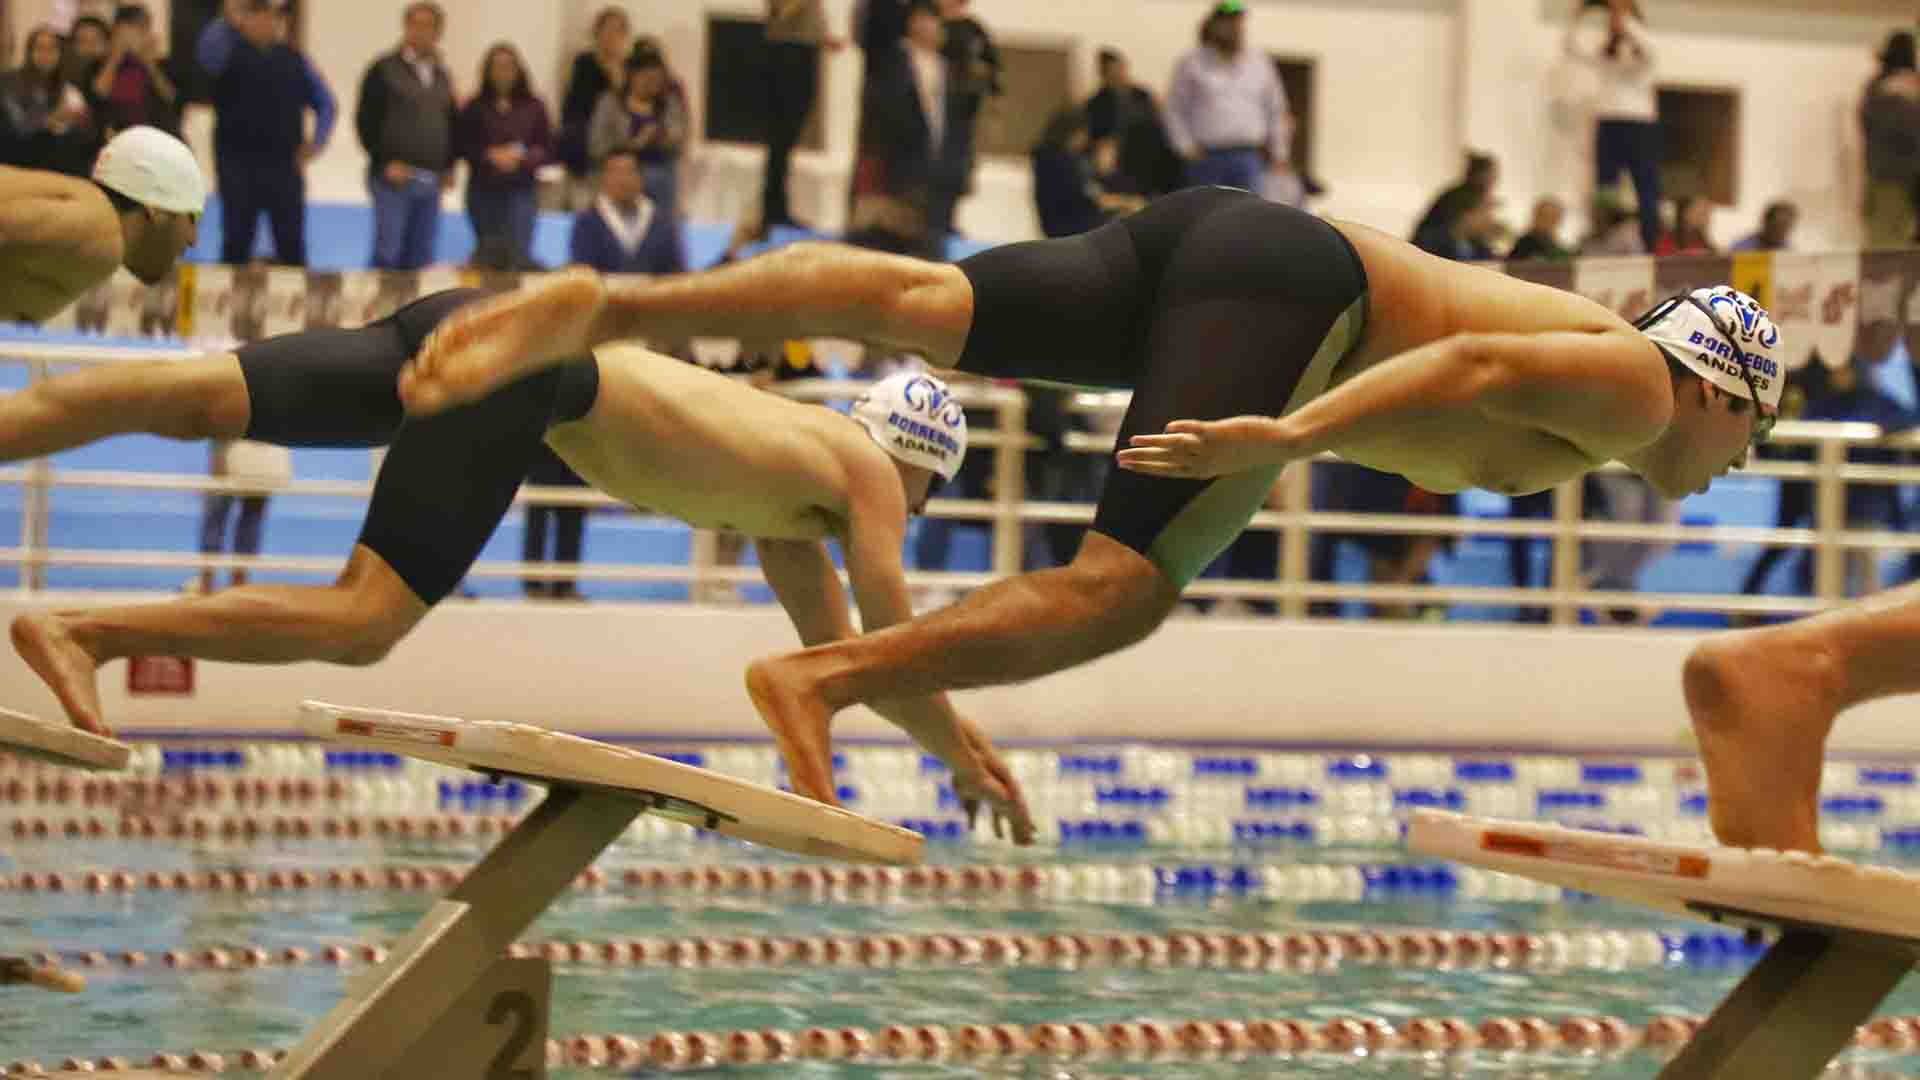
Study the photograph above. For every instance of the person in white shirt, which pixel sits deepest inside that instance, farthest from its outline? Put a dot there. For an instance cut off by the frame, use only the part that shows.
(1610, 37)
(1227, 113)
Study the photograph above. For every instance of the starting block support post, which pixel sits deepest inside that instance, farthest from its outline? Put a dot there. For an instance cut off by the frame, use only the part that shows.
(1798, 1007)
(394, 1006)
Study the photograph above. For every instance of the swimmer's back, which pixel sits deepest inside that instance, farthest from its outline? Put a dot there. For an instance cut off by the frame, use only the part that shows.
(1418, 298)
(59, 238)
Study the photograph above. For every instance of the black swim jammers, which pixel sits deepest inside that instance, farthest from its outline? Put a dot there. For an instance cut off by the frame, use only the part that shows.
(1207, 304)
(448, 479)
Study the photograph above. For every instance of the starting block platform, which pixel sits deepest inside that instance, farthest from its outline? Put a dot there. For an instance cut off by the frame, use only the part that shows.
(447, 1004)
(60, 743)
(1848, 933)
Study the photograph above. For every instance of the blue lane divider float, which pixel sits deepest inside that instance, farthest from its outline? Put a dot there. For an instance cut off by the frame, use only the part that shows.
(1611, 774)
(1264, 798)
(1361, 767)
(1871, 776)
(1094, 764)
(1566, 799)
(1430, 798)
(1853, 804)
(1225, 766)
(1259, 832)
(1483, 772)
(357, 760)
(1153, 798)
(1102, 831)
(936, 828)
(176, 760)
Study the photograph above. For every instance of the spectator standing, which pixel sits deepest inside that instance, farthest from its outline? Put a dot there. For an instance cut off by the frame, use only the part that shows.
(406, 120)
(878, 25)
(646, 117)
(1890, 125)
(1542, 238)
(596, 73)
(796, 32)
(974, 69)
(134, 85)
(905, 130)
(504, 136)
(1432, 234)
(624, 232)
(1689, 234)
(1776, 229)
(1841, 395)
(260, 469)
(89, 41)
(1127, 114)
(262, 88)
(46, 118)
(1610, 38)
(1227, 113)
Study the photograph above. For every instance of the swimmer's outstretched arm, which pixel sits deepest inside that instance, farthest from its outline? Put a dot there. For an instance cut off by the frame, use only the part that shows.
(800, 291)
(1604, 392)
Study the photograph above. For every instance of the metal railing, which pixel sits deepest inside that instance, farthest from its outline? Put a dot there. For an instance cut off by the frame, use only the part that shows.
(1007, 512)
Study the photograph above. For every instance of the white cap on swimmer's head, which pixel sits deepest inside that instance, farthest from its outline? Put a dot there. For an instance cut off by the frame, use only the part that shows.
(914, 417)
(1725, 337)
(153, 169)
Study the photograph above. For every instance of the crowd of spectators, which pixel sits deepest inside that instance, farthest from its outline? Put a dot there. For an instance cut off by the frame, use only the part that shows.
(931, 69)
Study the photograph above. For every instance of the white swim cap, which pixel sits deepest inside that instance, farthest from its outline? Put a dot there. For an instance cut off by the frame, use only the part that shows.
(1725, 337)
(153, 169)
(915, 418)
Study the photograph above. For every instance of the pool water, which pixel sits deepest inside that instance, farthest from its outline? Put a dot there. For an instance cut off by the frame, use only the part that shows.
(1147, 882)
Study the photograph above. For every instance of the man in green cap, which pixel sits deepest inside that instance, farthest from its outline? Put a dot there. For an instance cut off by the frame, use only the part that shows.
(1227, 113)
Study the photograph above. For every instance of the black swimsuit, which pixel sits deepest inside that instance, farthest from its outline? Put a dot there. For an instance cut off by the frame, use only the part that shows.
(448, 479)
(1207, 304)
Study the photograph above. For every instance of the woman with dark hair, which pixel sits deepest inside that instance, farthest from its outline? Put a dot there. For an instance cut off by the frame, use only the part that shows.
(505, 137)
(646, 116)
(44, 123)
(1626, 135)
(596, 72)
(1890, 124)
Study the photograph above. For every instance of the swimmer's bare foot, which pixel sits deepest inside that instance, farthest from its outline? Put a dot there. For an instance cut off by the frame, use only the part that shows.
(800, 720)
(65, 665)
(1762, 703)
(486, 345)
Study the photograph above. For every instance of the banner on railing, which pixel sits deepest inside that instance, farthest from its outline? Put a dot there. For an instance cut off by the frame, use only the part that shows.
(1824, 303)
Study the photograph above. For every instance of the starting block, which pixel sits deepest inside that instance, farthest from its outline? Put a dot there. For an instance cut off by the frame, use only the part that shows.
(1848, 933)
(447, 1004)
(60, 743)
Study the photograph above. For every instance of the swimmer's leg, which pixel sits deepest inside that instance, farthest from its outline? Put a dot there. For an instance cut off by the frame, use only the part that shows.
(1764, 700)
(204, 398)
(441, 492)
(356, 620)
(803, 290)
(1021, 628)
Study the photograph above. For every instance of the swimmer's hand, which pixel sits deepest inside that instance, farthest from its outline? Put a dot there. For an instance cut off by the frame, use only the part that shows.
(1202, 448)
(983, 777)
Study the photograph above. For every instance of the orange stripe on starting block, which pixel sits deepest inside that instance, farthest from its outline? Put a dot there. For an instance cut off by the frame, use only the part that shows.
(347, 725)
(1597, 853)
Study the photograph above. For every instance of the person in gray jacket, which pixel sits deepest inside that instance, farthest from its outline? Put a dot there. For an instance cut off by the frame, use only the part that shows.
(406, 122)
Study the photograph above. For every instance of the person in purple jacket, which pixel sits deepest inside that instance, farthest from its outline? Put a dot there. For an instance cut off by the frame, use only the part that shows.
(504, 136)
(624, 232)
